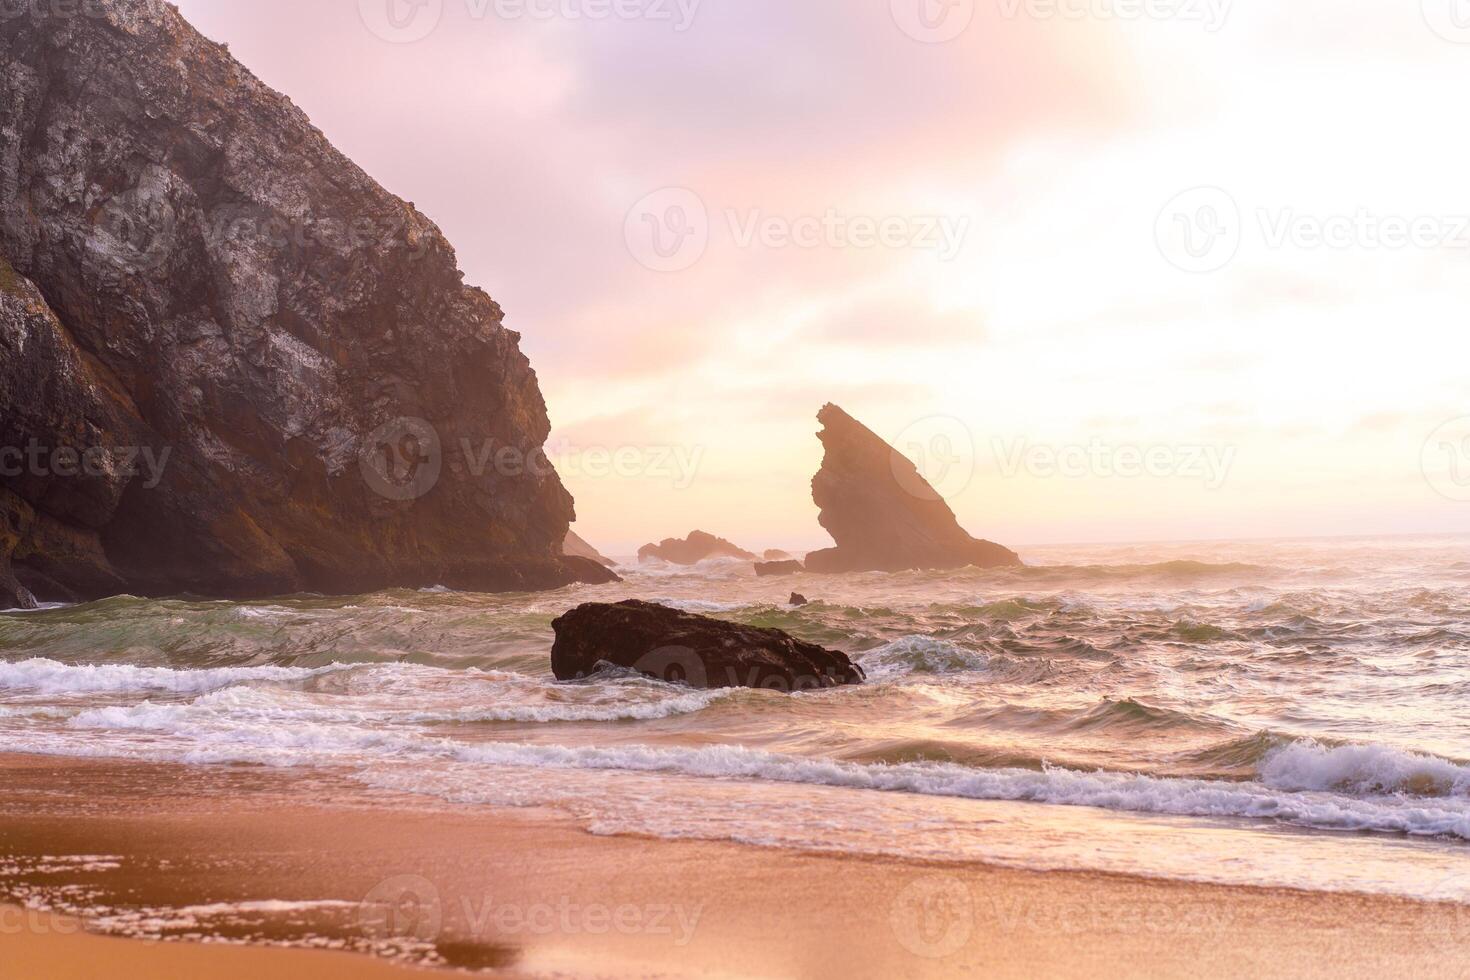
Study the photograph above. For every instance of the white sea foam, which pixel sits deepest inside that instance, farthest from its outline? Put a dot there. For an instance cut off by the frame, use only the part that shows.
(153, 921)
(40, 608)
(1363, 770)
(49, 677)
(919, 655)
(200, 738)
(683, 704)
(266, 907)
(279, 707)
(700, 605)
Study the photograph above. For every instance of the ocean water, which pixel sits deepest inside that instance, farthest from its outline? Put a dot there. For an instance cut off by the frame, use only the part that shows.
(1291, 713)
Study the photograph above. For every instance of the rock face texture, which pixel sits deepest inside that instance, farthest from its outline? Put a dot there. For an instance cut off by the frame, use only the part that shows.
(578, 548)
(768, 569)
(883, 515)
(692, 550)
(269, 367)
(777, 555)
(680, 647)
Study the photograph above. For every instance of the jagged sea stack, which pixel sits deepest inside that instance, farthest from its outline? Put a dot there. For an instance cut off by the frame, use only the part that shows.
(882, 513)
(236, 364)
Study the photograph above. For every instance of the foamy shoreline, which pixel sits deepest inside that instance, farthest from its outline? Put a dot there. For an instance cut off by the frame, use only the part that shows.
(254, 857)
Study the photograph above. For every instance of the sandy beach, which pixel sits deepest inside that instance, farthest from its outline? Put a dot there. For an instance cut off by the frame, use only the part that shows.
(525, 892)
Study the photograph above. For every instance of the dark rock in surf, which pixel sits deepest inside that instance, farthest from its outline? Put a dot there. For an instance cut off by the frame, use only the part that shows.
(797, 599)
(274, 363)
(692, 550)
(680, 647)
(768, 569)
(883, 515)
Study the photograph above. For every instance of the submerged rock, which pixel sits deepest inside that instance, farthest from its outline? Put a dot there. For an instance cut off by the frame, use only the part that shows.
(680, 647)
(578, 548)
(883, 515)
(244, 366)
(692, 550)
(768, 569)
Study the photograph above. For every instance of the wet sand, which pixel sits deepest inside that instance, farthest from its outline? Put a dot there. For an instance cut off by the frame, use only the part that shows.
(308, 859)
(34, 944)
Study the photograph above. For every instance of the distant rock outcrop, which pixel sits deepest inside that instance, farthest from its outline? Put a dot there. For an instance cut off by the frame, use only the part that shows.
(883, 515)
(681, 647)
(578, 548)
(692, 550)
(770, 569)
(234, 364)
(776, 555)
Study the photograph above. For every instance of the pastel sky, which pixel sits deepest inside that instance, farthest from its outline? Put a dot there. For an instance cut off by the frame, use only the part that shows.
(1109, 269)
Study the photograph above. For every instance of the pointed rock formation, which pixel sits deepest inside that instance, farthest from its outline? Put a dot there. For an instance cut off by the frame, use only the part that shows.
(883, 515)
(269, 367)
(578, 548)
(692, 550)
(680, 647)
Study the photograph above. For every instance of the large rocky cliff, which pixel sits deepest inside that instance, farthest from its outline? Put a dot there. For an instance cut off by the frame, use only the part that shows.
(230, 362)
